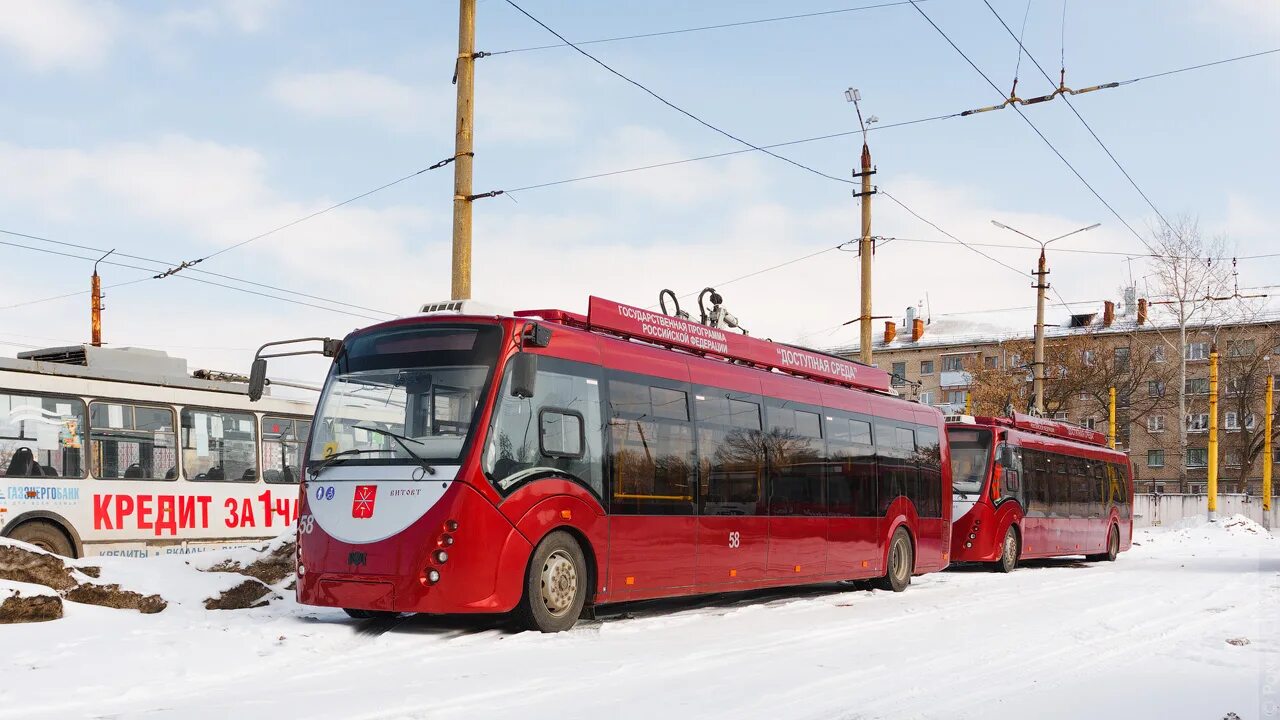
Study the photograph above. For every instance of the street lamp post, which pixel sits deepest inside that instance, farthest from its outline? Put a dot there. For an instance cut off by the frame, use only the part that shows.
(1037, 369)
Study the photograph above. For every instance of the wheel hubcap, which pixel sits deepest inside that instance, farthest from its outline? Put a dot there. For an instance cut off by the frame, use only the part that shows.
(559, 583)
(1010, 547)
(899, 561)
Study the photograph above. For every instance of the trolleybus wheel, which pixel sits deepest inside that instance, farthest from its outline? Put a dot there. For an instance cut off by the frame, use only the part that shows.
(901, 562)
(1113, 547)
(44, 535)
(1009, 552)
(555, 586)
(359, 614)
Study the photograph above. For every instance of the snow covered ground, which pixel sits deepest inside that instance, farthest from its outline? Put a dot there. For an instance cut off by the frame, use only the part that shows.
(1145, 637)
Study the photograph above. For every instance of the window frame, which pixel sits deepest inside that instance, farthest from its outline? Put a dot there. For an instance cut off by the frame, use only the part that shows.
(304, 440)
(1155, 453)
(174, 413)
(84, 464)
(257, 444)
(582, 433)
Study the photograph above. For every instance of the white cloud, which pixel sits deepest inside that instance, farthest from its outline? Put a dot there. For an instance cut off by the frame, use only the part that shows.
(53, 34)
(1256, 16)
(362, 95)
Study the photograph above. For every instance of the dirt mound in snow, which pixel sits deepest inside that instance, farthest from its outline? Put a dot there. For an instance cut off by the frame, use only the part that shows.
(19, 608)
(272, 567)
(113, 597)
(37, 568)
(248, 594)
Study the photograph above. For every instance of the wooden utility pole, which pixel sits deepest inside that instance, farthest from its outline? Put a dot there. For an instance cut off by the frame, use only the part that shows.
(463, 156)
(865, 248)
(1037, 366)
(1213, 432)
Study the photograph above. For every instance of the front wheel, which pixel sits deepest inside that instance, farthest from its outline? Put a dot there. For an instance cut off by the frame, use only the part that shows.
(555, 586)
(1113, 548)
(897, 575)
(1009, 552)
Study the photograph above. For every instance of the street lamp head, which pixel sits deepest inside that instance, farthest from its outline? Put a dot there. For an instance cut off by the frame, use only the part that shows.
(872, 119)
(1000, 225)
(1091, 227)
(852, 95)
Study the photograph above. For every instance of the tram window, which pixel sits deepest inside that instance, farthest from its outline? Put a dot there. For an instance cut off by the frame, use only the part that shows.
(132, 442)
(41, 436)
(218, 445)
(559, 431)
(731, 454)
(851, 466)
(794, 449)
(282, 442)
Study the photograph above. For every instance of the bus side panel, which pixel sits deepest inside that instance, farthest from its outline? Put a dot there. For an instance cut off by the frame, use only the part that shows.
(651, 555)
(560, 511)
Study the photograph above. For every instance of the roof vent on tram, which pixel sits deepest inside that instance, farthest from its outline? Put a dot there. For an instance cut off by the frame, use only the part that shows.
(463, 307)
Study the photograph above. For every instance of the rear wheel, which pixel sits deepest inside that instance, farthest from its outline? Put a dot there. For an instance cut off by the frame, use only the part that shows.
(1113, 547)
(897, 575)
(1009, 551)
(555, 585)
(46, 536)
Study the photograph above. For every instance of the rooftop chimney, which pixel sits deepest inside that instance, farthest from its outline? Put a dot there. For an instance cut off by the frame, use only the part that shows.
(917, 329)
(890, 331)
(1142, 311)
(1108, 313)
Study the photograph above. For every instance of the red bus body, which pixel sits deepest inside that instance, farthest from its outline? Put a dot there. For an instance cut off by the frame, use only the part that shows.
(489, 532)
(1058, 486)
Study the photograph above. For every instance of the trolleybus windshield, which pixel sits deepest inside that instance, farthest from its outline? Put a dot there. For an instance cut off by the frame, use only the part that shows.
(970, 459)
(422, 382)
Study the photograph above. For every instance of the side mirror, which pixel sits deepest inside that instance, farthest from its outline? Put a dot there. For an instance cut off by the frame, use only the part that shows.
(524, 375)
(257, 379)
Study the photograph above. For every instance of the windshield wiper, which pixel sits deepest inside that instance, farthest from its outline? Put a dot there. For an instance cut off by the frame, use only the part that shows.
(314, 469)
(401, 440)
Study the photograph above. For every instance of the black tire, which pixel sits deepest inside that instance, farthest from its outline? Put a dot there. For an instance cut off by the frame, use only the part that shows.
(359, 614)
(1113, 547)
(897, 574)
(555, 587)
(46, 536)
(1010, 551)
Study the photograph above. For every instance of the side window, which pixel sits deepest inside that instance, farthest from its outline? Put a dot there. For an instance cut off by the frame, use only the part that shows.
(731, 453)
(219, 445)
(851, 465)
(652, 450)
(559, 431)
(41, 436)
(1035, 464)
(1012, 476)
(928, 453)
(133, 442)
(896, 472)
(794, 448)
(282, 442)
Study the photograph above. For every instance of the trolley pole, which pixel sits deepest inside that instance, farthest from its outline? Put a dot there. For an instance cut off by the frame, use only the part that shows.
(462, 164)
(1037, 366)
(1213, 432)
(1111, 420)
(1266, 452)
(865, 249)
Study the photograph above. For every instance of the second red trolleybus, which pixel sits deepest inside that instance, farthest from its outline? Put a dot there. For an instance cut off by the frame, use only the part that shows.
(542, 462)
(1027, 487)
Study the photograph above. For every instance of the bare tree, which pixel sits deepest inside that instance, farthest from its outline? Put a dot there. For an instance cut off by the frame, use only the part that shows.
(1008, 384)
(1188, 273)
(1135, 365)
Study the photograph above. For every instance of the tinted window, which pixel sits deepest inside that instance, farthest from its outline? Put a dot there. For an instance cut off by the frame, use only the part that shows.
(558, 432)
(896, 475)
(41, 436)
(851, 466)
(732, 452)
(795, 451)
(652, 458)
(218, 445)
(929, 491)
(133, 442)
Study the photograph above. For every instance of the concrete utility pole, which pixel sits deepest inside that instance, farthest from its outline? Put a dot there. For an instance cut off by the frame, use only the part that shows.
(462, 165)
(1213, 432)
(866, 246)
(1040, 273)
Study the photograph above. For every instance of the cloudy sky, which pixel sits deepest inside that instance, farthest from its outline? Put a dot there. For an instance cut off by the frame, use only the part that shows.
(170, 131)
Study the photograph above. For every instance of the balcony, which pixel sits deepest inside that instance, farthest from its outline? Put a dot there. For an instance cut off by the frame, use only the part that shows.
(954, 379)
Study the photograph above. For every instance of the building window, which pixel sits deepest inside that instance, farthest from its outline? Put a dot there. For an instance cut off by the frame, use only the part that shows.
(1240, 348)
(1060, 415)
(926, 367)
(1197, 457)
(1091, 423)
(957, 397)
(1231, 421)
(1198, 351)
(1197, 386)
(1250, 421)
(991, 362)
(953, 363)
(1155, 423)
(1231, 458)
(1198, 422)
(1155, 388)
(926, 397)
(1157, 354)
(899, 374)
(1122, 359)
(1090, 357)
(1155, 458)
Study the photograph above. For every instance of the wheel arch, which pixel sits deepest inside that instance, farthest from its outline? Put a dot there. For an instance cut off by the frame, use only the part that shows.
(899, 522)
(588, 553)
(58, 521)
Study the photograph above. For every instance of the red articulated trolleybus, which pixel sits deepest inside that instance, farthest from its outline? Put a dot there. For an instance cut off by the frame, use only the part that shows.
(1027, 487)
(546, 461)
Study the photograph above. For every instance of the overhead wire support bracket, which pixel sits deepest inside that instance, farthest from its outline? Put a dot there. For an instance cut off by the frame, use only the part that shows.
(860, 174)
(873, 191)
